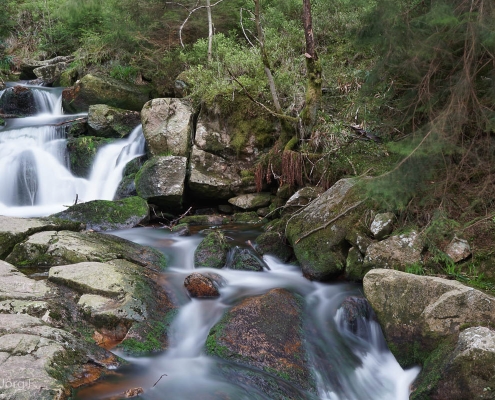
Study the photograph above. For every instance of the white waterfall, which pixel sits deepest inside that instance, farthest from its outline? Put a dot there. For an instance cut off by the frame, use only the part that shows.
(34, 173)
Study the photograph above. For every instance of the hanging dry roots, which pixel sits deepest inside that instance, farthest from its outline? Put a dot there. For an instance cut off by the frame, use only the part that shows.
(292, 168)
(259, 174)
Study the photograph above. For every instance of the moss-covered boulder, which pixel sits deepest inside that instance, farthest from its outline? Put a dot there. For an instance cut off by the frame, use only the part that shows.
(422, 317)
(127, 186)
(235, 130)
(354, 265)
(45, 363)
(245, 260)
(16, 230)
(167, 126)
(212, 251)
(104, 215)
(82, 153)
(318, 233)
(265, 332)
(93, 89)
(161, 181)
(274, 243)
(51, 248)
(212, 177)
(111, 122)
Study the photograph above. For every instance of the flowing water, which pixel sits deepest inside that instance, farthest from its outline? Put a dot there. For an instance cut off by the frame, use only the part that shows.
(34, 165)
(348, 364)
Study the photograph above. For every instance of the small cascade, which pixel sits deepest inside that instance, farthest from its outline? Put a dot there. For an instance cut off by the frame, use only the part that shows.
(34, 170)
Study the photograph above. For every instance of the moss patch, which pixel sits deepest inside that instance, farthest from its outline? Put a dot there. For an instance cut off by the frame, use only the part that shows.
(82, 152)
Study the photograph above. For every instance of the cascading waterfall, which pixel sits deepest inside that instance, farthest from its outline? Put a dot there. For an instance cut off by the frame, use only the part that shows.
(34, 171)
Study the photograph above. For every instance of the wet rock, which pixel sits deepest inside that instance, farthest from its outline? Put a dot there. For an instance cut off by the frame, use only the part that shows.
(199, 285)
(104, 215)
(127, 186)
(111, 122)
(212, 177)
(225, 208)
(245, 260)
(458, 249)
(82, 153)
(181, 230)
(15, 230)
(251, 201)
(167, 126)
(395, 252)
(46, 249)
(285, 191)
(264, 332)
(41, 362)
(18, 101)
(273, 243)
(161, 181)
(382, 225)
(354, 267)
(92, 90)
(356, 313)
(322, 252)
(263, 212)
(212, 251)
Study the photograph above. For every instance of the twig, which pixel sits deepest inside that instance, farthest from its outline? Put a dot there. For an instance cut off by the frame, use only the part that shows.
(329, 222)
(275, 114)
(67, 122)
(174, 221)
(159, 379)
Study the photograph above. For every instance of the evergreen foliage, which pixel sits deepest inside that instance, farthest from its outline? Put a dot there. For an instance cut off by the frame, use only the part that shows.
(435, 79)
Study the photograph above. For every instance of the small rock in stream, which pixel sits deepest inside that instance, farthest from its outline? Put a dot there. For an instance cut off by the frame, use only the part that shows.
(199, 285)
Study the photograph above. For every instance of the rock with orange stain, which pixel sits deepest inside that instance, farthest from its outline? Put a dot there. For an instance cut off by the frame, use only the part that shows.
(199, 285)
(265, 332)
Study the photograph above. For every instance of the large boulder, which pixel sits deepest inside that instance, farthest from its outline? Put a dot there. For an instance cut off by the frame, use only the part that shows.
(42, 362)
(236, 130)
(161, 181)
(92, 90)
(212, 177)
(319, 233)
(104, 215)
(397, 251)
(265, 332)
(32, 69)
(422, 318)
(111, 122)
(50, 73)
(167, 126)
(18, 101)
(51, 248)
(212, 251)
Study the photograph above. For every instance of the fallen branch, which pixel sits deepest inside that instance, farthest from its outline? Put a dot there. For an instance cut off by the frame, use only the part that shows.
(68, 122)
(159, 379)
(329, 222)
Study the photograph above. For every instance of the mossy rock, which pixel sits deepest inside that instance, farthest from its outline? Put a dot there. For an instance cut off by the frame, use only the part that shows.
(274, 322)
(273, 243)
(318, 233)
(82, 153)
(246, 218)
(212, 251)
(103, 215)
(245, 260)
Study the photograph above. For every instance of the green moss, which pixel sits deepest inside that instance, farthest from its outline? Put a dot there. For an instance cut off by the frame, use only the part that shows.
(246, 218)
(212, 251)
(82, 152)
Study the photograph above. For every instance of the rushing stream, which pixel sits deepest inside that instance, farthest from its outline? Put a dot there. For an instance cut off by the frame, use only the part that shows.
(347, 363)
(34, 164)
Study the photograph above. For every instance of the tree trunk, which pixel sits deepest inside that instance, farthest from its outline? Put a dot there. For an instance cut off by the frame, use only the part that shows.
(313, 80)
(210, 31)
